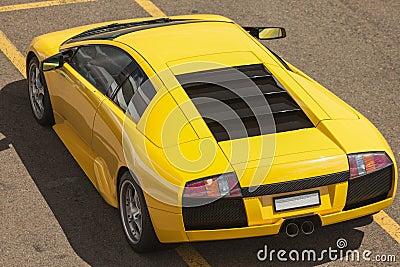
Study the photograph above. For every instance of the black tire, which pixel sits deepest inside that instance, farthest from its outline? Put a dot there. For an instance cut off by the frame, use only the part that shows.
(147, 241)
(43, 112)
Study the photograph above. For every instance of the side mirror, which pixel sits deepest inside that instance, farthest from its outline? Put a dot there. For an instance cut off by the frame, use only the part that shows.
(52, 63)
(266, 33)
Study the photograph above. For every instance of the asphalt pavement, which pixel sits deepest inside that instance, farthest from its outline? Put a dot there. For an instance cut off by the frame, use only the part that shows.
(50, 214)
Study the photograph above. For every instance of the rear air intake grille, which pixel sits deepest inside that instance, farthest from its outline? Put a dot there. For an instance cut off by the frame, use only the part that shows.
(220, 214)
(244, 94)
(369, 188)
(296, 185)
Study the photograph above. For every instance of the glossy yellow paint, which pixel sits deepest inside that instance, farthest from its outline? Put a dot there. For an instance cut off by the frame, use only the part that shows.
(283, 145)
(212, 61)
(291, 167)
(233, 233)
(171, 144)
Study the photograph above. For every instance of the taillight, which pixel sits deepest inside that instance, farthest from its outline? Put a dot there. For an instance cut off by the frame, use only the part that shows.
(223, 185)
(364, 163)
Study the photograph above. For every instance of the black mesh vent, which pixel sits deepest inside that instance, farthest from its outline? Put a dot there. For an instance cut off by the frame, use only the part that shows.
(214, 85)
(219, 214)
(296, 185)
(369, 188)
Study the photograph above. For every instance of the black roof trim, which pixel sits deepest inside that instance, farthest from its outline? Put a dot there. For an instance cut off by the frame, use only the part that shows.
(115, 30)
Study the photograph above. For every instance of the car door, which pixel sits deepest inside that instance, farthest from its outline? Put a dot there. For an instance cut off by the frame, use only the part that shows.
(110, 122)
(77, 91)
(100, 65)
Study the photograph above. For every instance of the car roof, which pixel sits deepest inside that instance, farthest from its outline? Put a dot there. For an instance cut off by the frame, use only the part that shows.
(163, 47)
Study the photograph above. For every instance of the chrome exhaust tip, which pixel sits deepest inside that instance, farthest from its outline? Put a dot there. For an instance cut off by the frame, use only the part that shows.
(307, 227)
(292, 230)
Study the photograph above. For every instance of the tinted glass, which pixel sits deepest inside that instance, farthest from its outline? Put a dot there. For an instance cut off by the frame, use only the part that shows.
(137, 88)
(101, 65)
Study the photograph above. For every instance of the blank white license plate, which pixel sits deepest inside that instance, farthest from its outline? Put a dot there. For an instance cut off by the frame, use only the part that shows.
(297, 201)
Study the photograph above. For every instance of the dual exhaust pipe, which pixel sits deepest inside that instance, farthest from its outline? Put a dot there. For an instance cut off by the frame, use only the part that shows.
(293, 228)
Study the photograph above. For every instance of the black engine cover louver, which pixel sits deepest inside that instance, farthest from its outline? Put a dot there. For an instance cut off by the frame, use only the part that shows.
(214, 85)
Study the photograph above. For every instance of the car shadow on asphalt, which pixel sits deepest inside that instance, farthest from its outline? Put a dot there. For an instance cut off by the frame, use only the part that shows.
(299, 251)
(92, 227)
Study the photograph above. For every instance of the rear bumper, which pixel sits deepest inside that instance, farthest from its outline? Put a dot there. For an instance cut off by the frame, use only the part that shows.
(170, 228)
(338, 202)
(274, 228)
(355, 213)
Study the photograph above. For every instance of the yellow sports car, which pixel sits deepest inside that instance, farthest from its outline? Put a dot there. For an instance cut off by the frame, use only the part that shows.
(196, 131)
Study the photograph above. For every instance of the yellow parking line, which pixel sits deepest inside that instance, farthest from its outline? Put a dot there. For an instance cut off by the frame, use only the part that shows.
(40, 4)
(191, 256)
(151, 8)
(10, 51)
(388, 224)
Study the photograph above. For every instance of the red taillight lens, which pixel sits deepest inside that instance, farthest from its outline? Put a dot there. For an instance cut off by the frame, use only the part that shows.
(196, 189)
(353, 167)
(364, 163)
(234, 186)
(212, 187)
(381, 161)
(224, 185)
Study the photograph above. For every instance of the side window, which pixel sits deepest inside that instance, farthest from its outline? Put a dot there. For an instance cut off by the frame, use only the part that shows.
(138, 89)
(102, 65)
